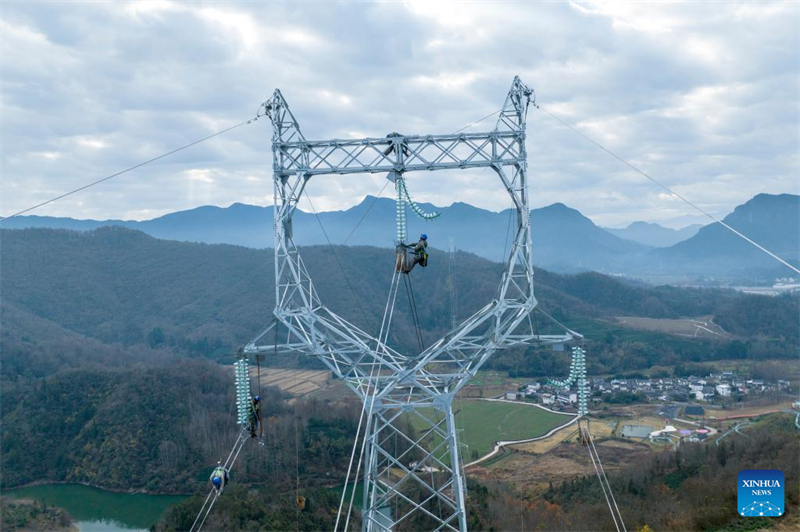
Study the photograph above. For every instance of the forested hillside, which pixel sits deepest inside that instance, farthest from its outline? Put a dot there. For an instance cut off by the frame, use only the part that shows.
(161, 429)
(694, 488)
(121, 287)
(144, 427)
(109, 340)
(32, 516)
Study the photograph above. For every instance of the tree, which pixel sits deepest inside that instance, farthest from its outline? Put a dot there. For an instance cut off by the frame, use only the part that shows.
(155, 337)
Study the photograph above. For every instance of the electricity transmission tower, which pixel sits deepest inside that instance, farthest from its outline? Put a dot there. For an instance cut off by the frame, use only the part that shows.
(409, 483)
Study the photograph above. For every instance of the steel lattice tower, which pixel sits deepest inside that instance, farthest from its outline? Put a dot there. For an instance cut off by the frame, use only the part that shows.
(414, 483)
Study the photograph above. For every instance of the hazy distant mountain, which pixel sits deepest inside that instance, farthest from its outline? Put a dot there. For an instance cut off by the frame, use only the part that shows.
(563, 239)
(684, 220)
(655, 235)
(771, 220)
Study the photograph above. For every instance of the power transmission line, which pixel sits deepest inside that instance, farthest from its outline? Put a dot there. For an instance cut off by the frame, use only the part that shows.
(478, 121)
(672, 192)
(176, 150)
(134, 167)
(371, 205)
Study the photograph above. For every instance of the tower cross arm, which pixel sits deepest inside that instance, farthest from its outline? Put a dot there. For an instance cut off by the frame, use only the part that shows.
(399, 153)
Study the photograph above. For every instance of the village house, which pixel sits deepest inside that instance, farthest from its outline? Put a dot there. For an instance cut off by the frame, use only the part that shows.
(532, 388)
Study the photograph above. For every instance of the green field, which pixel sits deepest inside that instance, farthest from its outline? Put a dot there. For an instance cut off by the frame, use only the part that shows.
(482, 423)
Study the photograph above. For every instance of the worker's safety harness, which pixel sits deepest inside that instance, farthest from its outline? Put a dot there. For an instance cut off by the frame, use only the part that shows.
(422, 254)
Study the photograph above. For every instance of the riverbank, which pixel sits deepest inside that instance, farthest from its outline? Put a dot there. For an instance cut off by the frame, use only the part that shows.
(32, 515)
(95, 486)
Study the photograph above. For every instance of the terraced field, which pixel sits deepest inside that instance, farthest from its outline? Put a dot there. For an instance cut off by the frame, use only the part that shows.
(702, 327)
(295, 382)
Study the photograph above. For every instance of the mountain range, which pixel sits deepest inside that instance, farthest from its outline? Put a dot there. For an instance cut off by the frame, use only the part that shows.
(773, 221)
(655, 235)
(123, 288)
(564, 240)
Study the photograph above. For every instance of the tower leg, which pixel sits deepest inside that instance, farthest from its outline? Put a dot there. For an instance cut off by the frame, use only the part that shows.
(455, 464)
(412, 477)
(373, 518)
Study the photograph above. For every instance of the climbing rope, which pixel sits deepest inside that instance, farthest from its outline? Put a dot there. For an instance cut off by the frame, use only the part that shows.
(382, 339)
(577, 375)
(452, 283)
(296, 450)
(414, 315)
(349, 469)
(388, 311)
(258, 376)
(367, 430)
(383, 335)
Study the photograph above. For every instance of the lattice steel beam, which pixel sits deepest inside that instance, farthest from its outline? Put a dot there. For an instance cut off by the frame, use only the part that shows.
(422, 484)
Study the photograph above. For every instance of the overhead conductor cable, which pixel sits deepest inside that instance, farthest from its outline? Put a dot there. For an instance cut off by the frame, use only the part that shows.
(134, 167)
(672, 192)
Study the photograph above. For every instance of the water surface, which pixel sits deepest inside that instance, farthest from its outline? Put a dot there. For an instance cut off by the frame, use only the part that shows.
(96, 510)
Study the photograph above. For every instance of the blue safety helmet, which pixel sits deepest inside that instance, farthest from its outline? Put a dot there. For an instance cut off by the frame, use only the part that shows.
(217, 481)
(258, 398)
(423, 236)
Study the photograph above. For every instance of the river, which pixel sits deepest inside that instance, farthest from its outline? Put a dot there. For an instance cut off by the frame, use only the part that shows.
(96, 510)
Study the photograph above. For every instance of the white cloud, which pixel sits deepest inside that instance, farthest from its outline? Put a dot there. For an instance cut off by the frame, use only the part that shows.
(241, 26)
(90, 142)
(447, 81)
(203, 175)
(49, 155)
(704, 96)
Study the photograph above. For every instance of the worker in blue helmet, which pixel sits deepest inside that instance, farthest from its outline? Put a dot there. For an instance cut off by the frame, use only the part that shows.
(219, 477)
(420, 253)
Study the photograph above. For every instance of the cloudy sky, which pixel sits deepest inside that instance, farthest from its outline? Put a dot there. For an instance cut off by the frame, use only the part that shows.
(702, 95)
